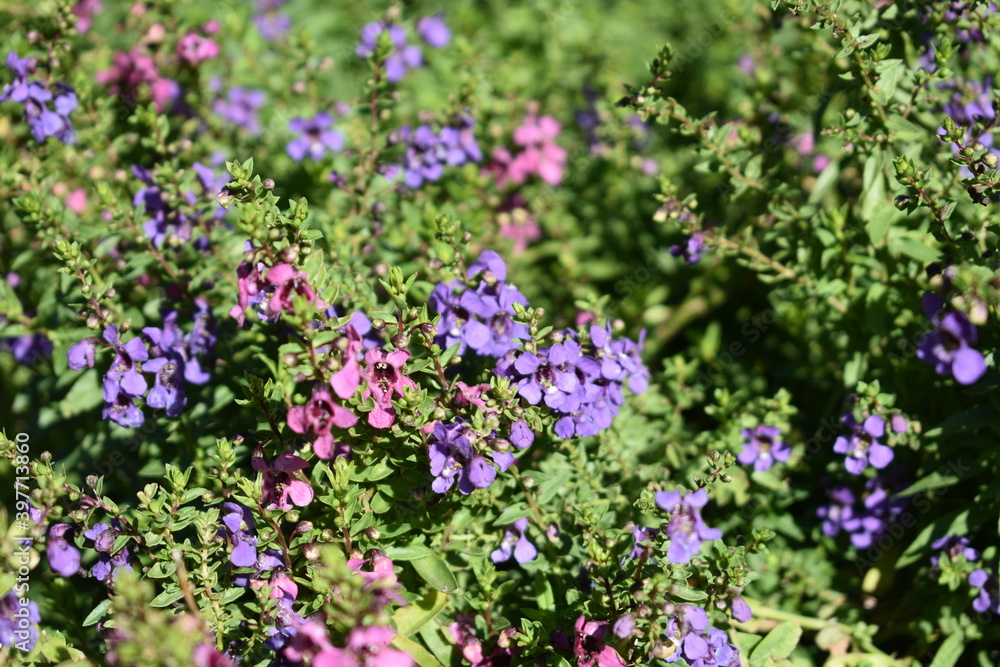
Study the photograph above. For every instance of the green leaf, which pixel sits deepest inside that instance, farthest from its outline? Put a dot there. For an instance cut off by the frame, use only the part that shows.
(746, 642)
(890, 72)
(419, 654)
(875, 208)
(950, 651)
(779, 643)
(435, 572)
(551, 488)
(167, 598)
(512, 513)
(411, 618)
(935, 480)
(99, 612)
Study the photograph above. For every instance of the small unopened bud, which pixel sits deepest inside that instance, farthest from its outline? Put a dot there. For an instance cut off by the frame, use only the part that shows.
(902, 202)
(373, 533)
(400, 340)
(267, 184)
(92, 481)
(290, 359)
(310, 551)
(302, 528)
(991, 160)
(726, 479)
(378, 323)
(224, 198)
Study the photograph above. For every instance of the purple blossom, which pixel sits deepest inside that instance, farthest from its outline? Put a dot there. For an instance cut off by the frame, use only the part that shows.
(64, 558)
(987, 596)
(692, 249)
(35, 98)
(13, 632)
(239, 525)
(684, 629)
(240, 107)
(686, 529)
(862, 446)
(864, 518)
(315, 139)
(273, 25)
(643, 542)
(954, 546)
(403, 57)
(453, 457)
(763, 447)
(108, 562)
(434, 31)
(949, 345)
(429, 152)
(515, 544)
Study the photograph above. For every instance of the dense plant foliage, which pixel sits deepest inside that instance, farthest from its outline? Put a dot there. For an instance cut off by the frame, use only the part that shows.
(450, 333)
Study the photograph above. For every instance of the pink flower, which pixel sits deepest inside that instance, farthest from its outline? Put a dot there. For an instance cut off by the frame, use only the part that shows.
(280, 482)
(288, 281)
(541, 155)
(196, 49)
(467, 395)
(385, 378)
(346, 380)
(77, 201)
(318, 415)
(130, 70)
(589, 646)
(249, 282)
(380, 580)
(517, 223)
(84, 10)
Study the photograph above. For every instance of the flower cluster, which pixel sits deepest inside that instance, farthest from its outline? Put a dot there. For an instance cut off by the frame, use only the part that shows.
(864, 518)
(109, 561)
(240, 106)
(429, 152)
(953, 546)
(272, 24)
(35, 98)
(586, 389)
(539, 154)
(463, 633)
(169, 354)
(694, 639)
(763, 447)
(316, 137)
(166, 225)
(482, 319)
(405, 56)
(949, 345)
(129, 71)
(454, 458)
(270, 289)
(690, 252)
(686, 529)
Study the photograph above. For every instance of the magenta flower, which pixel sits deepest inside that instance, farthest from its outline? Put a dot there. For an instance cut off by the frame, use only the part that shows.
(383, 371)
(195, 49)
(589, 645)
(318, 415)
(288, 282)
(281, 485)
(540, 155)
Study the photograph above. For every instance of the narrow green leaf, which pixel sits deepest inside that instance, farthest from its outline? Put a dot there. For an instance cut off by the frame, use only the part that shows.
(779, 643)
(419, 654)
(99, 612)
(436, 572)
(950, 651)
(411, 618)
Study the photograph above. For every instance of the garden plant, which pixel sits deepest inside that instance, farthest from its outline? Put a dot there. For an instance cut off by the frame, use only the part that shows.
(499, 333)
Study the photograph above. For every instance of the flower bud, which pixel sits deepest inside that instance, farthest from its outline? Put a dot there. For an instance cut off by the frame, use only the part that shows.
(267, 184)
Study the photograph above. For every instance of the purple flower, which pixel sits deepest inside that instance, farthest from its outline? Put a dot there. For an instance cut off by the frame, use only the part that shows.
(108, 563)
(685, 629)
(521, 435)
(434, 31)
(429, 152)
(862, 446)
(19, 620)
(404, 56)
(691, 251)
(763, 447)
(954, 546)
(35, 98)
(239, 524)
(64, 558)
(643, 542)
(452, 456)
(240, 107)
(740, 609)
(987, 598)
(515, 543)
(948, 346)
(864, 518)
(315, 137)
(686, 529)
(81, 355)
